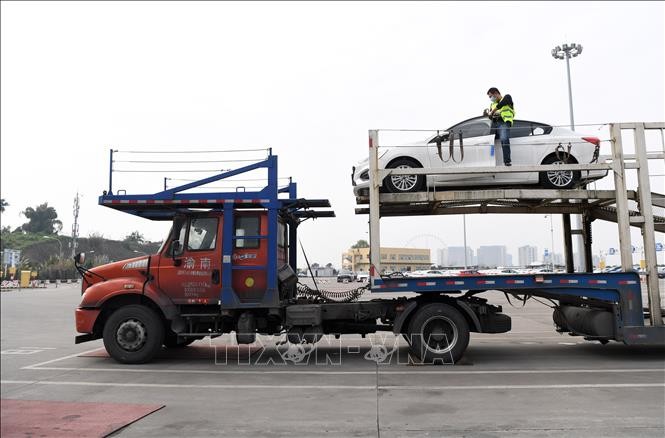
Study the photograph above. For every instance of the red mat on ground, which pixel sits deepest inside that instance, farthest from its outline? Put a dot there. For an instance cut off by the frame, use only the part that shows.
(35, 418)
(196, 351)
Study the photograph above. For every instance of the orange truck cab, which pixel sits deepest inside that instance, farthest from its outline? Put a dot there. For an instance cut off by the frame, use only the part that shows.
(226, 265)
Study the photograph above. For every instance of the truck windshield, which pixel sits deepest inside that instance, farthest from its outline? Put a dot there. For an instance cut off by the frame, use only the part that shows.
(202, 234)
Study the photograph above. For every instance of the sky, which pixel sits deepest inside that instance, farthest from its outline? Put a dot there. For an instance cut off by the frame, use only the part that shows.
(308, 80)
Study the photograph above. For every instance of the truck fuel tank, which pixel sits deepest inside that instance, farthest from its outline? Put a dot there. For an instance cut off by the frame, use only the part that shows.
(585, 320)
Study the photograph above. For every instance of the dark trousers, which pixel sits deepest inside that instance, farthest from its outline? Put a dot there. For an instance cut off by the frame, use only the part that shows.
(503, 132)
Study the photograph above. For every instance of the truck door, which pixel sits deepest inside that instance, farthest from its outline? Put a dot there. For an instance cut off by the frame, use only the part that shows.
(250, 256)
(190, 270)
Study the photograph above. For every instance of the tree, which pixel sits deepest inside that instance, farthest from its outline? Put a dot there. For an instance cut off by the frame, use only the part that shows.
(96, 242)
(3, 204)
(360, 244)
(41, 220)
(135, 237)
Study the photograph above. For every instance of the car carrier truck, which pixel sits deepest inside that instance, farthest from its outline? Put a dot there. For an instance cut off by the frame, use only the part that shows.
(229, 262)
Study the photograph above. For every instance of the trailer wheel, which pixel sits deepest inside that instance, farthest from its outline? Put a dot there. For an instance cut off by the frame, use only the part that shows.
(133, 334)
(439, 334)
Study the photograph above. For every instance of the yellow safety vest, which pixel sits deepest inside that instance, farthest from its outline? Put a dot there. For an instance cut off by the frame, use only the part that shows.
(506, 112)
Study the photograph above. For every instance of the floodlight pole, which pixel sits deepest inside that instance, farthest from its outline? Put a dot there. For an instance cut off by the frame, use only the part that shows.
(570, 93)
(59, 244)
(566, 52)
(552, 237)
(465, 256)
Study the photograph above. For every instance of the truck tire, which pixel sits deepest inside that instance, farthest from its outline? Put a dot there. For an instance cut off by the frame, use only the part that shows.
(133, 334)
(439, 333)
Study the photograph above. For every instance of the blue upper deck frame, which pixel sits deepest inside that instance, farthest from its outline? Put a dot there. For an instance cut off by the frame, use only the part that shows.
(165, 205)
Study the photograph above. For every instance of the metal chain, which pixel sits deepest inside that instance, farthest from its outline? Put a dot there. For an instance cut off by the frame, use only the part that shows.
(346, 296)
(562, 154)
(596, 155)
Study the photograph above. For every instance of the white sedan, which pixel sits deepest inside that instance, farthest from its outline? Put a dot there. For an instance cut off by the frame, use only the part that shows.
(531, 143)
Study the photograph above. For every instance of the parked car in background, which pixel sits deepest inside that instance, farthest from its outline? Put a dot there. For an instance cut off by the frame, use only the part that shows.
(362, 277)
(498, 271)
(468, 272)
(426, 273)
(531, 143)
(346, 277)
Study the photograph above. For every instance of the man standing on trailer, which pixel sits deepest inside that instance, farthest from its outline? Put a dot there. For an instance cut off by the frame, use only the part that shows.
(502, 113)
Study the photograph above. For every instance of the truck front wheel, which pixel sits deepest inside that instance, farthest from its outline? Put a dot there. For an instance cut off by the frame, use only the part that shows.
(438, 333)
(133, 334)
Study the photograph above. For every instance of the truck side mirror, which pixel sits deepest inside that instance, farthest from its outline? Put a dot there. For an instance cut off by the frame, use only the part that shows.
(79, 258)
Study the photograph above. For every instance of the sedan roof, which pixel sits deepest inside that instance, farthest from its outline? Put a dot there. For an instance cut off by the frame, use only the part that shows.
(485, 118)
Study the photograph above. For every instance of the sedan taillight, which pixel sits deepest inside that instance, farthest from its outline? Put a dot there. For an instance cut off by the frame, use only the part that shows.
(594, 140)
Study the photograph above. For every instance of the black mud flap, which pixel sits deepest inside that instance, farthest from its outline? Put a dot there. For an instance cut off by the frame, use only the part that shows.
(85, 338)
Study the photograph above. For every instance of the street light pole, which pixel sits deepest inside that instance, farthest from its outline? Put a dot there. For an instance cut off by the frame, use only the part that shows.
(552, 236)
(59, 244)
(570, 95)
(465, 256)
(567, 51)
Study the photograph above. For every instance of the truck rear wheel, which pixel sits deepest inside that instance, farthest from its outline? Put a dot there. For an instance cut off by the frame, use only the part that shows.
(133, 334)
(438, 333)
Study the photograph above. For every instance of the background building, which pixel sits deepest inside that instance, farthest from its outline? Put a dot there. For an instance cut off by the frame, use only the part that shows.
(392, 259)
(322, 271)
(527, 254)
(442, 256)
(456, 256)
(492, 256)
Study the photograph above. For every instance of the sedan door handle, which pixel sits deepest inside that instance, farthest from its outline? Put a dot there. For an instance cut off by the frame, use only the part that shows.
(215, 276)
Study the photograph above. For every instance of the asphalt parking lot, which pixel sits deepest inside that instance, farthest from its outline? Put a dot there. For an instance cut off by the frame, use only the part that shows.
(529, 382)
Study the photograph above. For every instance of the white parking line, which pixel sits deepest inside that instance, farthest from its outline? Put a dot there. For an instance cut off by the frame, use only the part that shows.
(491, 387)
(58, 359)
(271, 370)
(180, 385)
(337, 387)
